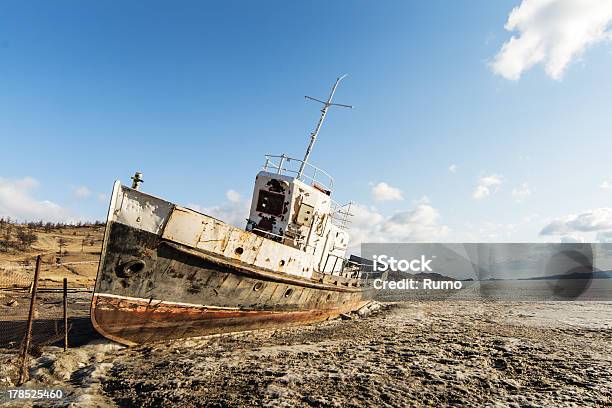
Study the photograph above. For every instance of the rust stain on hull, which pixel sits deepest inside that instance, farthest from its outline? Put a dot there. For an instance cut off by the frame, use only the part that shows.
(135, 321)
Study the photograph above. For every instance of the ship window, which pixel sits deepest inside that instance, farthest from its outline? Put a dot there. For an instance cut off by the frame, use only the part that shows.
(270, 203)
(304, 215)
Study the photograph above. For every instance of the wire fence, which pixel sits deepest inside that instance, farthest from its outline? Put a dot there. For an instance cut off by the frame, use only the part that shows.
(37, 308)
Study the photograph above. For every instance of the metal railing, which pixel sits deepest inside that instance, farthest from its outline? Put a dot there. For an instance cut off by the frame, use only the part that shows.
(286, 165)
(350, 269)
(340, 214)
(362, 272)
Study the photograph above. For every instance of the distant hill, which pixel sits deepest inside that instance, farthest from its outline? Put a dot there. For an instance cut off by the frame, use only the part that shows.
(68, 251)
(576, 275)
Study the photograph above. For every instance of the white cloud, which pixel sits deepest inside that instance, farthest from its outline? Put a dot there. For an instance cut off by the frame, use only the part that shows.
(365, 225)
(17, 202)
(553, 33)
(235, 211)
(599, 219)
(423, 200)
(233, 196)
(384, 192)
(572, 239)
(487, 185)
(452, 168)
(521, 193)
(81, 192)
(420, 224)
(606, 185)
(605, 237)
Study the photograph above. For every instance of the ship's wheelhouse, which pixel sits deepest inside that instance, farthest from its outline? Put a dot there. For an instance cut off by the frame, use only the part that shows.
(296, 209)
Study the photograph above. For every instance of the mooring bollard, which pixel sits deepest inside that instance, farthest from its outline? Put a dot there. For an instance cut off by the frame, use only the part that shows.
(23, 374)
(65, 314)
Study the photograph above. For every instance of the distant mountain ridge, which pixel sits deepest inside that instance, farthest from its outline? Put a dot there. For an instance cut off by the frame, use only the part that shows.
(576, 275)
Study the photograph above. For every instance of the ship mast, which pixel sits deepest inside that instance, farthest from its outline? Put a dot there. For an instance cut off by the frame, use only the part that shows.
(313, 135)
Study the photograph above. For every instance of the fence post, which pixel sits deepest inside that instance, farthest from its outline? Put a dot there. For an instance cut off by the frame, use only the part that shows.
(23, 374)
(65, 314)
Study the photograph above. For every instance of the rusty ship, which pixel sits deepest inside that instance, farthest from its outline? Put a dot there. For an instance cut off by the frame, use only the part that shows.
(168, 272)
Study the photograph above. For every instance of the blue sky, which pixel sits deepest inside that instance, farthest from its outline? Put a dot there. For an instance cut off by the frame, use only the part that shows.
(193, 94)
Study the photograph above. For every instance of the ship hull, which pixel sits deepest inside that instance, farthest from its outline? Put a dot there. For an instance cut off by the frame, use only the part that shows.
(153, 289)
(134, 321)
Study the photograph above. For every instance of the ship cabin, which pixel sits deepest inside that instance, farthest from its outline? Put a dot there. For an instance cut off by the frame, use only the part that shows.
(292, 205)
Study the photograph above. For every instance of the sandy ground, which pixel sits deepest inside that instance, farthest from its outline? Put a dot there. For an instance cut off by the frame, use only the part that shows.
(423, 353)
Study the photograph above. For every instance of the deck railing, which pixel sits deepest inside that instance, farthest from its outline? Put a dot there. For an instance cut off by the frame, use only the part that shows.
(286, 165)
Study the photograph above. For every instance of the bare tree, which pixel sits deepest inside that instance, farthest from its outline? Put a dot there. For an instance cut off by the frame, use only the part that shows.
(62, 242)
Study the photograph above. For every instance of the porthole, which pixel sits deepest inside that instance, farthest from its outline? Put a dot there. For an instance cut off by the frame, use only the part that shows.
(130, 268)
(282, 262)
(289, 292)
(238, 251)
(257, 286)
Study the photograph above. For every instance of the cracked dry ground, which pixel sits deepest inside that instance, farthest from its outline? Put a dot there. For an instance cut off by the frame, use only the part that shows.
(419, 354)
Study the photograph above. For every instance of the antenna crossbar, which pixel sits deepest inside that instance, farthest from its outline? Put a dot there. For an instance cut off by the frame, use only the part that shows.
(314, 134)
